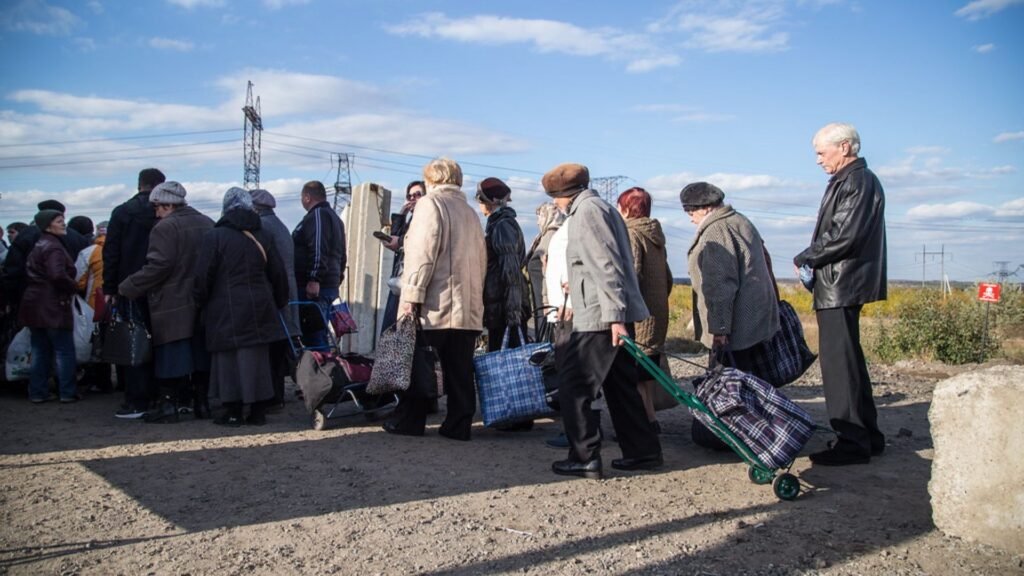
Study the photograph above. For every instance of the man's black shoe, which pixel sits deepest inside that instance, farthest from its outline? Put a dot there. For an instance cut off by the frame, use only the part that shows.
(392, 428)
(647, 463)
(166, 413)
(839, 457)
(589, 469)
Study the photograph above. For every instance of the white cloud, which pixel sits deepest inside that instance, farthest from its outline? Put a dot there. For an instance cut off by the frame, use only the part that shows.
(684, 114)
(190, 4)
(309, 106)
(727, 27)
(95, 6)
(925, 166)
(668, 185)
(1014, 209)
(978, 9)
(38, 17)
(984, 48)
(84, 44)
(951, 211)
(546, 36)
(278, 4)
(170, 44)
(1008, 137)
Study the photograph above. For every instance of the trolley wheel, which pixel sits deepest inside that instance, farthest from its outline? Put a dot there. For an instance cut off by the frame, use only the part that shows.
(786, 486)
(759, 476)
(319, 420)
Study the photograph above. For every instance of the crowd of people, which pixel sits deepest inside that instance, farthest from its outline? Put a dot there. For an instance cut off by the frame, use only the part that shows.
(214, 296)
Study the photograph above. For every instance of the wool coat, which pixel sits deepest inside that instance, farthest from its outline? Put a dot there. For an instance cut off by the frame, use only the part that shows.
(602, 279)
(733, 292)
(238, 287)
(650, 261)
(166, 280)
(50, 286)
(445, 261)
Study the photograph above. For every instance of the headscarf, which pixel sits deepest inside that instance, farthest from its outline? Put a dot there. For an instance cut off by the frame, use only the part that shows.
(236, 197)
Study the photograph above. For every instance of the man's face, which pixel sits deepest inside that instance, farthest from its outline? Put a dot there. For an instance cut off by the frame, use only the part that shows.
(11, 235)
(306, 201)
(832, 157)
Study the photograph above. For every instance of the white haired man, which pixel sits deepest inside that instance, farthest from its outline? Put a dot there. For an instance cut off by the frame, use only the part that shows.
(847, 256)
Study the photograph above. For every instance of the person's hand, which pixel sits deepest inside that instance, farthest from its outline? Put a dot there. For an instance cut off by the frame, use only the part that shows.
(312, 289)
(406, 309)
(796, 270)
(565, 313)
(407, 207)
(720, 341)
(618, 329)
(393, 244)
(108, 298)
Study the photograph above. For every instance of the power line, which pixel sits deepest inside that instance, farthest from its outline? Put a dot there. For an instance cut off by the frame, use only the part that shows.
(117, 151)
(119, 138)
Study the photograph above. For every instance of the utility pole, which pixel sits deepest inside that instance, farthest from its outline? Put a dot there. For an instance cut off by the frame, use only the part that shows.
(607, 186)
(1002, 271)
(343, 179)
(925, 254)
(252, 140)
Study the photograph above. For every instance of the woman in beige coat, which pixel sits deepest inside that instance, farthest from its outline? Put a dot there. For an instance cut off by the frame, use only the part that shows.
(443, 283)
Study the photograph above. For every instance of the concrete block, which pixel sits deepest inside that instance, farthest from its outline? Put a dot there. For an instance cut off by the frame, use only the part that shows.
(977, 484)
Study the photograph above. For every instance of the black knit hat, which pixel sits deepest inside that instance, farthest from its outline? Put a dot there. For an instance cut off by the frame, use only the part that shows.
(45, 217)
(700, 194)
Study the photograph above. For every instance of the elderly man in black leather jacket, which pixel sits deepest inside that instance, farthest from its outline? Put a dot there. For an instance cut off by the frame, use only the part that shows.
(847, 255)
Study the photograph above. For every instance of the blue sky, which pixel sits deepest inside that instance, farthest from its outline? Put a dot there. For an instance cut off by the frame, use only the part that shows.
(664, 93)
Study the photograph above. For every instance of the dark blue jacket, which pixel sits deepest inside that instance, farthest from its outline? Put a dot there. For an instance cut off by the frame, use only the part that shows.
(319, 247)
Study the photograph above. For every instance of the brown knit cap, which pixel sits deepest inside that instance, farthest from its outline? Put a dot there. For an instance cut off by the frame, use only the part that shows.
(565, 180)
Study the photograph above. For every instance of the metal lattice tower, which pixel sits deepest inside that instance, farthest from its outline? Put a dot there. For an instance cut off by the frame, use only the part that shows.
(252, 140)
(343, 180)
(607, 186)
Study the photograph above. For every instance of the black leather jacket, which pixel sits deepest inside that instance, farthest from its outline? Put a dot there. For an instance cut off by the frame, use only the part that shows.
(505, 296)
(848, 249)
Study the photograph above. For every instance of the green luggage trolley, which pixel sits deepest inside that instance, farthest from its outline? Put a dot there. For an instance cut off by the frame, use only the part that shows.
(785, 485)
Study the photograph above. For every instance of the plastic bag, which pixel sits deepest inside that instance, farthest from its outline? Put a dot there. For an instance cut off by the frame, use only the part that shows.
(83, 315)
(19, 357)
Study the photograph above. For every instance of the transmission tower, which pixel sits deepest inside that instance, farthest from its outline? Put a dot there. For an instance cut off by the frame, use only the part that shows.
(252, 140)
(343, 180)
(607, 186)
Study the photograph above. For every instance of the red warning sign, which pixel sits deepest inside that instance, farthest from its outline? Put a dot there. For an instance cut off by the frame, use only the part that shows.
(988, 292)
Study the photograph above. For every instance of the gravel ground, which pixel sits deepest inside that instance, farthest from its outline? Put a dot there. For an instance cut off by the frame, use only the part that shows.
(84, 493)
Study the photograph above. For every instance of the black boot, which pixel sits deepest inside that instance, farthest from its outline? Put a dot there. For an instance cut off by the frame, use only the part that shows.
(200, 395)
(165, 413)
(232, 416)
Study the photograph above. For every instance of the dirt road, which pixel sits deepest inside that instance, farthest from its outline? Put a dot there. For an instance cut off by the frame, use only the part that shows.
(84, 493)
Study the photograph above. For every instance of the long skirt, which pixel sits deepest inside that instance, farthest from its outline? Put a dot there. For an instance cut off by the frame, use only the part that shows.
(242, 375)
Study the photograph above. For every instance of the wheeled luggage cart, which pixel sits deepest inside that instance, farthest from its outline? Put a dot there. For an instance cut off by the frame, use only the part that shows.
(785, 485)
(333, 385)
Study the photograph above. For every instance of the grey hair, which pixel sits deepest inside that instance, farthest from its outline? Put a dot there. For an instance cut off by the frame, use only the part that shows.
(237, 198)
(549, 216)
(838, 132)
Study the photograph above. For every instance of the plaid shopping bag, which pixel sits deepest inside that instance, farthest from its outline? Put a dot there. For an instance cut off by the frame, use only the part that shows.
(785, 357)
(771, 425)
(511, 388)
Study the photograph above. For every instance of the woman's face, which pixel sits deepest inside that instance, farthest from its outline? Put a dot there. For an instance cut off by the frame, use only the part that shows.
(57, 227)
(698, 215)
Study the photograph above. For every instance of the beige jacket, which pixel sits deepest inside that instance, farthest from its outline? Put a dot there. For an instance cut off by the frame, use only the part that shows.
(445, 261)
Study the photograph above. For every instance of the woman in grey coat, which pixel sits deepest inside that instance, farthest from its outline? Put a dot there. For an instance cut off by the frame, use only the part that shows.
(280, 354)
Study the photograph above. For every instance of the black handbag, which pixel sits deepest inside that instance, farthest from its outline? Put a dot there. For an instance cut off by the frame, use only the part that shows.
(427, 380)
(124, 340)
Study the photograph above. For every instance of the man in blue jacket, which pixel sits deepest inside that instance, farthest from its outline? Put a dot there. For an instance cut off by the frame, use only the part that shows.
(319, 252)
(847, 256)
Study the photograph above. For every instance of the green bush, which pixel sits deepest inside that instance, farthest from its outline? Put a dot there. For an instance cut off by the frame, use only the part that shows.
(950, 330)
